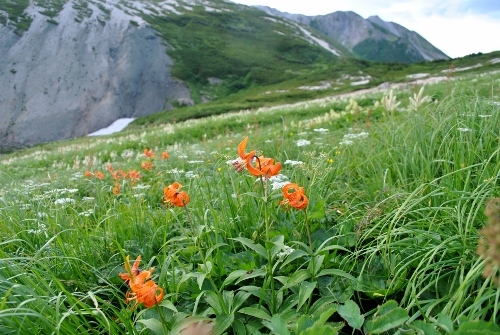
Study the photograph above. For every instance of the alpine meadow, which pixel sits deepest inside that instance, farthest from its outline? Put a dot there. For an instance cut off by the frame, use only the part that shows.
(342, 196)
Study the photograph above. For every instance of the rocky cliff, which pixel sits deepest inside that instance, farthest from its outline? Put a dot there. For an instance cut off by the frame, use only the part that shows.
(73, 74)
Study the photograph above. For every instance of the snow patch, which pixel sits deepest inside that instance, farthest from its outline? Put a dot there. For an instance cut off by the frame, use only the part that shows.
(115, 127)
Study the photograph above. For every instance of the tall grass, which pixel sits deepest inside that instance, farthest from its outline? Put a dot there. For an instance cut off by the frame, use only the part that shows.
(396, 200)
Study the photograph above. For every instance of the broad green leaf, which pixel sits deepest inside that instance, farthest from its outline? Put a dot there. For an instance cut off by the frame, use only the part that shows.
(168, 304)
(424, 328)
(321, 304)
(477, 327)
(320, 330)
(238, 327)
(297, 253)
(232, 277)
(228, 297)
(277, 325)
(350, 312)
(325, 315)
(305, 291)
(222, 322)
(255, 247)
(279, 245)
(318, 262)
(214, 301)
(152, 324)
(240, 298)
(297, 278)
(200, 278)
(289, 302)
(445, 322)
(256, 312)
(388, 316)
(251, 274)
(304, 322)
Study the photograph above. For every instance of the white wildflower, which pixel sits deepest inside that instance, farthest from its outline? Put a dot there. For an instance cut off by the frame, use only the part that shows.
(321, 130)
(191, 175)
(302, 142)
(463, 130)
(64, 201)
(292, 162)
(287, 251)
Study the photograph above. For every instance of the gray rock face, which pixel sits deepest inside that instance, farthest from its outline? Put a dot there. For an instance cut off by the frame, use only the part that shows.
(65, 80)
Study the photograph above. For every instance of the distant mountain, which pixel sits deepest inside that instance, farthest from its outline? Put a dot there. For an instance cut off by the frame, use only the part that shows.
(370, 39)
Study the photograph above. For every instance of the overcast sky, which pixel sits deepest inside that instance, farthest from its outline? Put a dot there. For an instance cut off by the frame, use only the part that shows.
(456, 27)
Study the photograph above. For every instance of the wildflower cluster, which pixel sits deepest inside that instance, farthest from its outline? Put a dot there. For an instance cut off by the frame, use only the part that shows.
(172, 195)
(143, 289)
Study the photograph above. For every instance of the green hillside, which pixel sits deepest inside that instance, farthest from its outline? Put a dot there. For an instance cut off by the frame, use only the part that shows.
(390, 224)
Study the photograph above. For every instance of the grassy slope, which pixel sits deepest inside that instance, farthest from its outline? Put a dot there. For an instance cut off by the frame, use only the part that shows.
(401, 209)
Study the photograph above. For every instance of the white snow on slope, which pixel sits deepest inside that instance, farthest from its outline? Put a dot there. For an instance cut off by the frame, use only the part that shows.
(115, 127)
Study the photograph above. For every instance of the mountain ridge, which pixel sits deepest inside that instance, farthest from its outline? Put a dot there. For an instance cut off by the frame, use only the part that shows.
(370, 39)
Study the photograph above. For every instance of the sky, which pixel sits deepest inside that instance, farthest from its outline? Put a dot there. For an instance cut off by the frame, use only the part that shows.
(456, 27)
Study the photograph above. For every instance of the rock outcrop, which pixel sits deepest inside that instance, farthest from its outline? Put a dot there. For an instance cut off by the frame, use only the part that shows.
(71, 75)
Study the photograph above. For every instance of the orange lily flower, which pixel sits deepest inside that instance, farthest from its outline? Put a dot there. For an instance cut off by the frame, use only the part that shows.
(174, 197)
(149, 153)
(165, 155)
(263, 166)
(147, 165)
(88, 174)
(99, 175)
(134, 175)
(294, 196)
(144, 289)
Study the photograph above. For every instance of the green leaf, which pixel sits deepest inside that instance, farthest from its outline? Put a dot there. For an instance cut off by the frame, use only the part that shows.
(318, 262)
(222, 322)
(351, 313)
(279, 245)
(277, 325)
(477, 327)
(335, 272)
(445, 322)
(168, 304)
(239, 327)
(239, 299)
(303, 323)
(424, 328)
(297, 253)
(320, 330)
(388, 316)
(252, 274)
(255, 247)
(200, 278)
(214, 301)
(297, 278)
(228, 298)
(259, 313)
(321, 304)
(305, 291)
(232, 277)
(153, 325)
